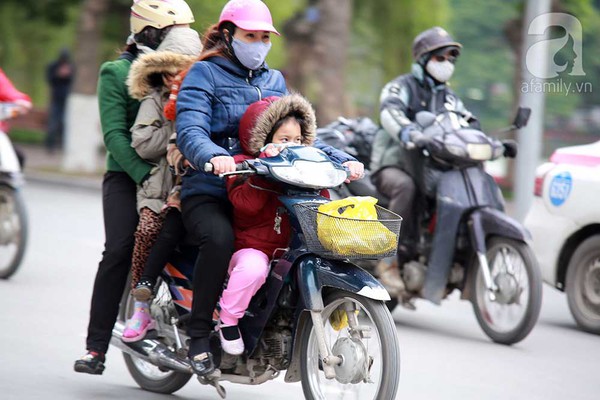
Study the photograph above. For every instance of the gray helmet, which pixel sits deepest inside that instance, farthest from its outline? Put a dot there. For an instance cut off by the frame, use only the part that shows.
(432, 39)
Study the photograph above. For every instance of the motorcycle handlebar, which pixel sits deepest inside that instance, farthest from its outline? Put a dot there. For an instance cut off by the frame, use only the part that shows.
(241, 168)
(8, 110)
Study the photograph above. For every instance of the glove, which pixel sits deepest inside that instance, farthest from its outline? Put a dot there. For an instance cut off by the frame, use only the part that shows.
(510, 148)
(175, 159)
(419, 139)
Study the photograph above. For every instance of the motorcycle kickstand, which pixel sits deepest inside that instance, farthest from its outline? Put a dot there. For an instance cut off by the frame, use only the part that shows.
(213, 380)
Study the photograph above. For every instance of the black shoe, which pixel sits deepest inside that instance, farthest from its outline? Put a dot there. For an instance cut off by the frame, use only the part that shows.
(91, 363)
(202, 364)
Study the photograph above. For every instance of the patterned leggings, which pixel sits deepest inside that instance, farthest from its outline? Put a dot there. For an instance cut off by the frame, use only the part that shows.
(145, 236)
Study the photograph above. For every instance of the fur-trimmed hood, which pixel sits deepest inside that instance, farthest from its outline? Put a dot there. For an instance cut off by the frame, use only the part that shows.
(178, 51)
(259, 119)
(159, 62)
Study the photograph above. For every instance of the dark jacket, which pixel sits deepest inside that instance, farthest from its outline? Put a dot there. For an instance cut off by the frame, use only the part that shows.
(60, 75)
(213, 97)
(401, 99)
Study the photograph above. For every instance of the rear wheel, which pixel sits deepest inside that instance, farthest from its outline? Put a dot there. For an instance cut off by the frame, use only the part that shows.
(148, 376)
(511, 314)
(13, 230)
(371, 365)
(583, 285)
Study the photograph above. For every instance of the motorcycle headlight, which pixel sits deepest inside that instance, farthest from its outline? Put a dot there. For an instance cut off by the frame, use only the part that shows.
(480, 151)
(316, 175)
(455, 150)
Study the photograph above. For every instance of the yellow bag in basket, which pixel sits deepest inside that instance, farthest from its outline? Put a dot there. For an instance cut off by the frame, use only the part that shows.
(349, 234)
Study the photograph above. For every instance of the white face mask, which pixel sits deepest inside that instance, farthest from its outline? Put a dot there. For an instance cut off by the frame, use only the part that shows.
(251, 55)
(440, 71)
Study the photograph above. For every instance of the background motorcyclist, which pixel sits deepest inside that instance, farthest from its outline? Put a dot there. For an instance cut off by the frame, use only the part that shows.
(392, 162)
(22, 102)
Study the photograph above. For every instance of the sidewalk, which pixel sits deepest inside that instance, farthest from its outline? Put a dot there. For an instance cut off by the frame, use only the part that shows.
(41, 166)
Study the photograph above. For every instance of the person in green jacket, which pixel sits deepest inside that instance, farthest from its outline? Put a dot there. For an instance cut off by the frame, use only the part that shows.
(150, 22)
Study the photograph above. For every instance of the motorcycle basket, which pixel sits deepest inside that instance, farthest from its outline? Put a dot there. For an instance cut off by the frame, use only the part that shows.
(336, 237)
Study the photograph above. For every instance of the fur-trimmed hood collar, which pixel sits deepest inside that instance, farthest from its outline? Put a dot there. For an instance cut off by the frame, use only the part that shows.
(259, 119)
(159, 62)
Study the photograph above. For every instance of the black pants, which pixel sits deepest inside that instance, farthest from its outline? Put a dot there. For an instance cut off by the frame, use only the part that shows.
(208, 220)
(400, 188)
(171, 234)
(56, 124)
(120, 223)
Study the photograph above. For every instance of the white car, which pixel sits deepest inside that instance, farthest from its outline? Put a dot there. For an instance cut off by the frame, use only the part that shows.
(564, 221)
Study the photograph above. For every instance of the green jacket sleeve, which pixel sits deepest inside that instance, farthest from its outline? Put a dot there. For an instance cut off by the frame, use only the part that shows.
(113, 101)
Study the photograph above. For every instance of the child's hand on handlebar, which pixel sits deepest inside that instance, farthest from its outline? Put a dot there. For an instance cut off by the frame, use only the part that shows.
(271, 150)
(357, 170)
(222, 164)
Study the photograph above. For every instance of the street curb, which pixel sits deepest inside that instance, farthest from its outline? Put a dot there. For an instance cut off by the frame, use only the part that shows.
(87, 183)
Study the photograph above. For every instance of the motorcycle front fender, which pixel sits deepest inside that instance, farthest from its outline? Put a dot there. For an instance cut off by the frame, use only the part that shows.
(315, 272)
(496, 223)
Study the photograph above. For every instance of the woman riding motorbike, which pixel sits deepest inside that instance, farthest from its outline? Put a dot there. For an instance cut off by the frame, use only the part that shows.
(215, 93)
(10, 94)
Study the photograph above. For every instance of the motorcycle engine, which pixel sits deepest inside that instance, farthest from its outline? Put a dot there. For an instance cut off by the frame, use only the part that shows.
(276, 347)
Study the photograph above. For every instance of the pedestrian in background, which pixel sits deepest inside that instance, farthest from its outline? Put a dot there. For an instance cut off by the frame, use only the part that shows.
(59, 74)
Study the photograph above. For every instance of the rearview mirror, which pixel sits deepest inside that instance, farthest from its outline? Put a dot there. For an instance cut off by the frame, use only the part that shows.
(522, 117)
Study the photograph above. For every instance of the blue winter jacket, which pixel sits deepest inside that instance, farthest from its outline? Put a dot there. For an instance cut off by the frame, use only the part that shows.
(213, 97)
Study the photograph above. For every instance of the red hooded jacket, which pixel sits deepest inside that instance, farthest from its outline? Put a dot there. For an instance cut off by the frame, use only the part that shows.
(255, 199)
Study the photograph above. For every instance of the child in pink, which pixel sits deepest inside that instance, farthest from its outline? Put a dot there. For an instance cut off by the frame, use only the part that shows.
(261, 226)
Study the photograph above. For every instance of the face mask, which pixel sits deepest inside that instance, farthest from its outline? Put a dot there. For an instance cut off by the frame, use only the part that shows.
(141, 48)
(440, 71)
(251, 55)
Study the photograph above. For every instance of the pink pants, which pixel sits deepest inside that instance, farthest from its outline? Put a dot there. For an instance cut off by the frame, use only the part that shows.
(248, 270)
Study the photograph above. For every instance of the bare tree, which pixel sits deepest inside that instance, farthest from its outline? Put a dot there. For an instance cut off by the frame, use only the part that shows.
(299, 34)
(331, 48)
(89, 36)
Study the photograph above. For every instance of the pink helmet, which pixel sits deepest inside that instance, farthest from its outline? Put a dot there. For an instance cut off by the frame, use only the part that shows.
(250, 15)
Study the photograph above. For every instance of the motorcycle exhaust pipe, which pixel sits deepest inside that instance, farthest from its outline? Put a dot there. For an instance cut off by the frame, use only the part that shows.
(150, 350)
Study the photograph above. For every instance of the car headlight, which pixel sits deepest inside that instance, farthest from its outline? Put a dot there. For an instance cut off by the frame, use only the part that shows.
(479, 151)
(317, 175)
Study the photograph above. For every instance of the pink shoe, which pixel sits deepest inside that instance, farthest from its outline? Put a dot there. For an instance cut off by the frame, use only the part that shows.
(137, 326)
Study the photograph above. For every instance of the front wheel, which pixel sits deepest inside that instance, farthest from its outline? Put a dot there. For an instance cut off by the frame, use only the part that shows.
(510, 314)
(13, 230)
(370, 355)
(583, 285)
